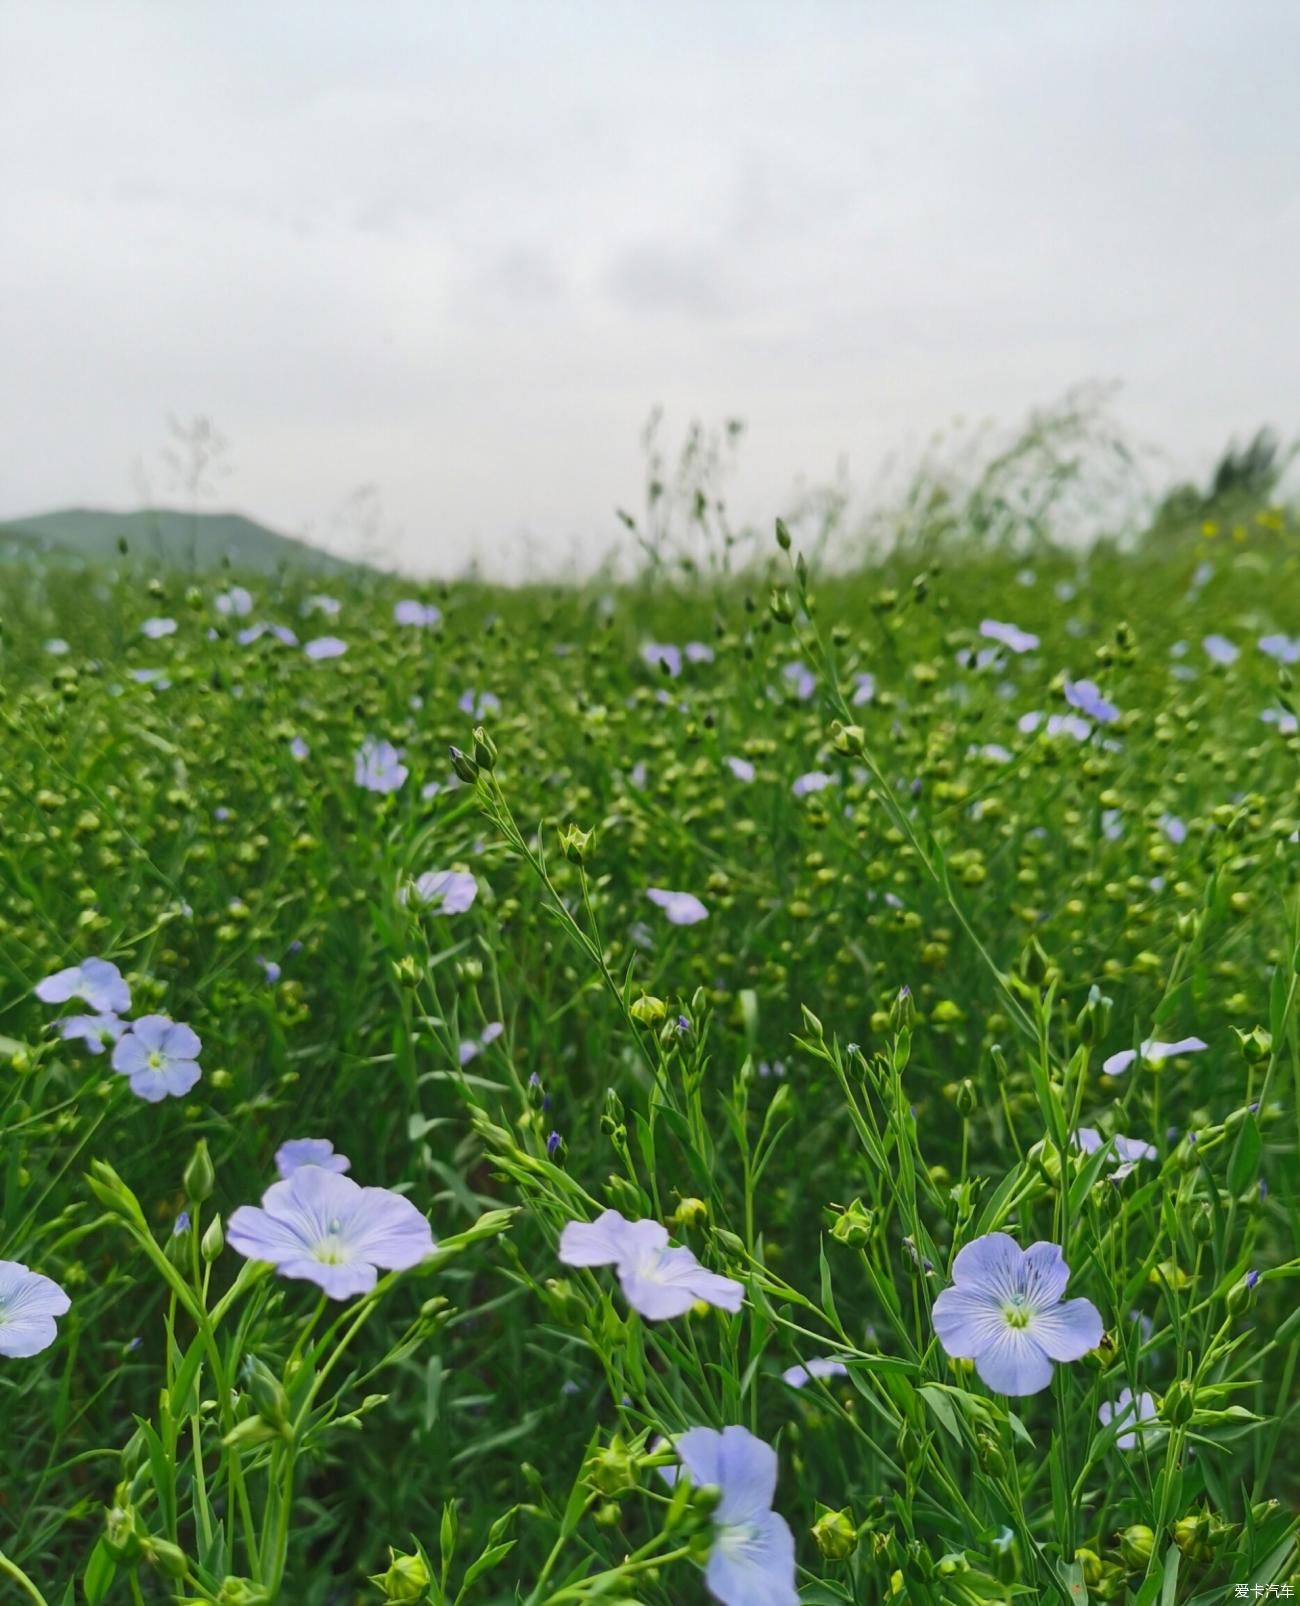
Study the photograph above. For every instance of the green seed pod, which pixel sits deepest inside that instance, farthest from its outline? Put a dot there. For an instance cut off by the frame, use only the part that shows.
(835, 1535)
(407, 1577)
(1136, 1545)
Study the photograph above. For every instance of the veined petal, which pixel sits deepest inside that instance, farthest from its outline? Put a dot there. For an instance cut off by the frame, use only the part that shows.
(967, 1321)
(990, 1263)
(1117, 1064)
(386, 1229)
(699, 1451)
(747, 1468)
(1044, 1275)
(1014, 1363)
(1067, 1332)
(596, 1243)
(655, 1300)
(338, 1279)
(753, 1565)
(679, 1268)
(257, 1235)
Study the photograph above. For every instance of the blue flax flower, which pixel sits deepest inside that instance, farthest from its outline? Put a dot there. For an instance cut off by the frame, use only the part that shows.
(156, 629)
(97, 1032)
(813, 781)
(444, 892)
(1009, 636)
(96, 982)
(325, 647)
(159, 1056)
(1131, 1412)
(661, 655)
(1153, 1052)
(411, 612)
(378, 767)
(322, 1227)
(28, 1305)
(1004, 1311)
(751, 1562)
(1084, 695)
(657, 1281)
(298, 1152)
(741, 768)
(682, 908)
(821, 1367)
(1220, 650)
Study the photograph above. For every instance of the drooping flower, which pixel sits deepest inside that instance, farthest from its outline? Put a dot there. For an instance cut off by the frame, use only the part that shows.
(1220, 650)
(292, 1155)
(822, 1367)
(1174, 829)
(1125, 1152)
(470, 1050)
(1010, 636)
(751, 1562)
(324, 647)
(324, 1228)
(444, 892)
(156, 629)
(411, 612)
(1084, 695)
(270, 970)
(97, 1032)
(1153, 1052)
(864, 688)
(378, 767)
(813, 781)
(28, 1305)
(1128, 1410)
(299, 749)
(96, 982)
(682, 908)
(699, 652)
(1005, 1312)
(657, 1281)
(159, 1056)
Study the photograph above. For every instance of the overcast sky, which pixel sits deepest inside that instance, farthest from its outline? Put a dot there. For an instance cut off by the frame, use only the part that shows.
(460, 250)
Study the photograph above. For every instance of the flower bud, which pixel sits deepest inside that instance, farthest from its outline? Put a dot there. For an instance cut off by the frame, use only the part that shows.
(407, 1577)
(465, 768)
(177, 1247)
(242, 1592)
(406, 973)
(610, 1470)
(854, 1225)
(647, 1011)
(848, 739)
(902, 1013)
(782, 535)
(835, 1535)
(1034, 963)
(1093, 1019)
(1178, 1404)
(990, 1457)
(781, 606)
(691, 1213)
(1136, 1544)
(967, 1098)
(1241, 1296)
(213, 1241)
(1256, 1044)
(169, 1559)
(122, 1530)
(1090, 1561)
(574, 844)
(1192, 1534)
(266, 1392)
(199, 1178)
(485, 750)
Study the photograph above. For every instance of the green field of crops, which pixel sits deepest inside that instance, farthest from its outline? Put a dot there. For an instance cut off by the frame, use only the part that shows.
(850, 929)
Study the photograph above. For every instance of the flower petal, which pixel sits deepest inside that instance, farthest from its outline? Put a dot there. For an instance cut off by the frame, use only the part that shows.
(990, 1263)
(1044, 1275)
(747, 1468)
(596, 1243)
(754, 1566)
(1014, 1363)
(387, 1230)
(967, 1321)
(1068, 1331)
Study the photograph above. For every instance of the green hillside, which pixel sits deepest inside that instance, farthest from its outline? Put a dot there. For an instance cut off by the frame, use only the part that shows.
(200, 541)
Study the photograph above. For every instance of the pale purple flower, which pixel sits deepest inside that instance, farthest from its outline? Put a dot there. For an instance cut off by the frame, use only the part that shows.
(660, 655)
(1173, 828)
(156, 629)
(995, 753)
(236, 601)
(322, 1227)
(1084, 695)
(292, 1155)
(1125, 1152)
(1287, 724)
(813, 781)
(1220, 650)
(270, 971)
(638, 776)
(97, 1032)
(1010, 636)
(741, 768)
(28, 1305)
(251, 633)
(864, 688)
(1286, 649)
(481, 706)
(444, 892)
(1057, 725)
(1202, 574)
(1005, 1312)
(159, 1056)
(378, 767)
(96, 982)
(697, 652)
(491, 1032)
(329, 606)
(657, 1281)
(751, 1562)
(299, 749)
(1153, 1052)
(800, 679)
(323, 647)
(421, 614)
(151, 677)
(682, 908)
(797, 1376)
(1127, 1410)
(56, 647)
(1112, 824)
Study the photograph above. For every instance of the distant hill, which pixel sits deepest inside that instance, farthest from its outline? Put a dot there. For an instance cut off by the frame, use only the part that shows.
(162, 535)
